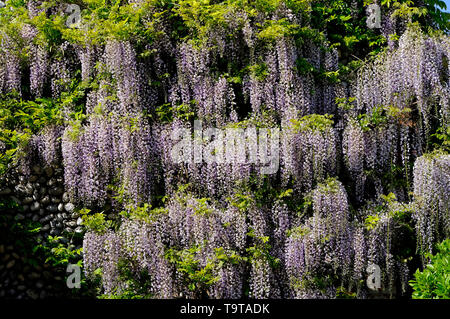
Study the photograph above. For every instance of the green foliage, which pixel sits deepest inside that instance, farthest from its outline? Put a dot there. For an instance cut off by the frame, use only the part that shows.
(21, 234)
(405, 9)
(202, 208)
(199, 16)
(76, 127)
(134, 286)
(391, 208)
(195, 19)
(382, 115)
(442, 138)
(144, 213)
(440, 18)
(241, 201)
(228, 256)
(257, 193)
(11, 141)
(330, 185)
(346, 29)
(263, 119)
(285, 193)
(8, 203)
(185, 111)
(164, 113)
(95, 222)
(130, 123)
(19, 119)
(52, 251)
(372, 221)
(368, 121)
(261, 249)
(74, 93)
(298, 232)
(434, 281)
(342, 293)
(103, 21)
(313, 122)
(197, 278)
(59, 254)
(305, 206)
(304, 67)
(259, 71)
(273, 30)
(321, 283)
(344, 103)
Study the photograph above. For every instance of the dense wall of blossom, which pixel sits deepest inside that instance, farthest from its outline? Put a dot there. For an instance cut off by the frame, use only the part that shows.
(222, 229)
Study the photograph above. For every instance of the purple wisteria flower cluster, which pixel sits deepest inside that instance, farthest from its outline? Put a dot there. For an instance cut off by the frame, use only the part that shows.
(222, 229)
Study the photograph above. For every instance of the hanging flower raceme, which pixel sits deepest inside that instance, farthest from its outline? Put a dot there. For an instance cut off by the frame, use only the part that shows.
(51, 152)
(411, 75)
(360, 258)
(10, 70)
(63, 65)
(376, 144)
(39, 69)
(160, 241)
(144, 238)
(211, 99)
(120, 61)
(354, 154)
(323, 244)
(384, 230)
(88, 56)
(71, 143)
(431, 185)
(309, 151)
(106, 148)
(102, 251)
